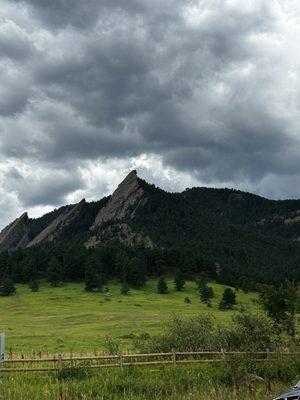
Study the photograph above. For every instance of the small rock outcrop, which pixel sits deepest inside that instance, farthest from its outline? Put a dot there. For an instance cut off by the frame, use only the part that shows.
(15, 235)
(127, 195)
(56, 226)
(120, 233)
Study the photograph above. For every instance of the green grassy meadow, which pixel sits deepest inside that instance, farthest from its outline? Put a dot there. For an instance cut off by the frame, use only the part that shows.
(160, 383)
(68, 319)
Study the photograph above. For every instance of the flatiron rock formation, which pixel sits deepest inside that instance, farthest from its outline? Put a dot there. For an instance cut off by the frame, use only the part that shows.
(15, 235)
(127, 195)
(56, 226)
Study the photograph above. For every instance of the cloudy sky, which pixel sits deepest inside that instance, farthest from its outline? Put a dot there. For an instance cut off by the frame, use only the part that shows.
(189, 92)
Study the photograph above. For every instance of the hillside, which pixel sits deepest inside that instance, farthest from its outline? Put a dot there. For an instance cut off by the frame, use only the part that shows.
(68, 318)
(236, 237)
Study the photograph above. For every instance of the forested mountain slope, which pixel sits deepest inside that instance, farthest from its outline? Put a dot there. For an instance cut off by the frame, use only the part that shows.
(234, 235)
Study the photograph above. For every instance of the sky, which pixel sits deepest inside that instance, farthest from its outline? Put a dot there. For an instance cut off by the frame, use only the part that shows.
(188, 92)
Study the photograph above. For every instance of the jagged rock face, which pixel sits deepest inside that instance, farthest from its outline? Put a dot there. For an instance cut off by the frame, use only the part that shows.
(56, 226)
(123, 203)
(15, 235)
(120, 233)
(128, 194)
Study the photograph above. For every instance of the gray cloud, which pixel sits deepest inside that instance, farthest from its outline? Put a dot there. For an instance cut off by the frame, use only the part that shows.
(43, 187)
(210, 87)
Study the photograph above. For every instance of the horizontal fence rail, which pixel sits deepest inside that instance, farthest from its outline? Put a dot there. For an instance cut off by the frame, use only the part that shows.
(58, 362)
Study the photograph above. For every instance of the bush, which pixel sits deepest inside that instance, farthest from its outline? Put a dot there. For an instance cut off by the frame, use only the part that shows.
(72, 372)
(250, 332)
(7, 287)
(112, 346)
(183, 334)
(247, 332)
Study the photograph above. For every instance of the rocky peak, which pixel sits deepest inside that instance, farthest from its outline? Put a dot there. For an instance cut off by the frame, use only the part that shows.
(15, 235)
(56, 226)
(127, 194)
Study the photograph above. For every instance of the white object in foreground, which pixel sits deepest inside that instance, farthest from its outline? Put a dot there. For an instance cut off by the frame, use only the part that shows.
(2, 346)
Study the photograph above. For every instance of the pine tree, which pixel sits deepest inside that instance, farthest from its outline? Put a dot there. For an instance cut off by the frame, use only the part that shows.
(125, 288)
(34, 285)
(54, 272)
(179, 281)
(94, 274)
(134, 271)
(206, 293)
(91, 279)
(162, 287)
(7, 287)
(202, 279)
(228, 300)
(29, 269)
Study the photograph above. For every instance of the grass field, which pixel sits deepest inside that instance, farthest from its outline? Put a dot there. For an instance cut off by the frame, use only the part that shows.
(64, 319)
(160, 383)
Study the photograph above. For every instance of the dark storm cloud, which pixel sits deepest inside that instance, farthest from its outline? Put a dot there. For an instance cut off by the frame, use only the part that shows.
(198, 83)
(58, 14)
(50, 188)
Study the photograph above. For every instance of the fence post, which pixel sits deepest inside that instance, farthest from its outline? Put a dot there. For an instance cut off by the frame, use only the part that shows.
(223, 355)
(174, 357)
(59, 362)
(121, 360)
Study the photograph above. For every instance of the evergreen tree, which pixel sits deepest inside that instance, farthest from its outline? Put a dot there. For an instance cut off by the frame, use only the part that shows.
(179, 281)
(135, 271)
(54, 274)
(280, 304)
(206, 293)
(228, 300)
(160, 263)
(162, 287)
(125, 288)
(298, 298)
(202, 279)
(7, 287)
(4, 265)
(94, 277)
(34, 285)
(91, 280)
(29, 268)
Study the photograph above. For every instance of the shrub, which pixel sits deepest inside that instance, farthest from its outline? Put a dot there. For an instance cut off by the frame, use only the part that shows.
(7, 287)
(72, 372)
(183, 334)
(246, 332)
(112, 345)
(250, 332)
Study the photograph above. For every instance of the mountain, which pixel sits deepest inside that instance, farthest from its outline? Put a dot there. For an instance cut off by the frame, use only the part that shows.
(241, 233)
(15, 235)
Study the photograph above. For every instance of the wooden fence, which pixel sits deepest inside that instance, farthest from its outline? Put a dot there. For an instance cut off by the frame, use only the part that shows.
(58, 362)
